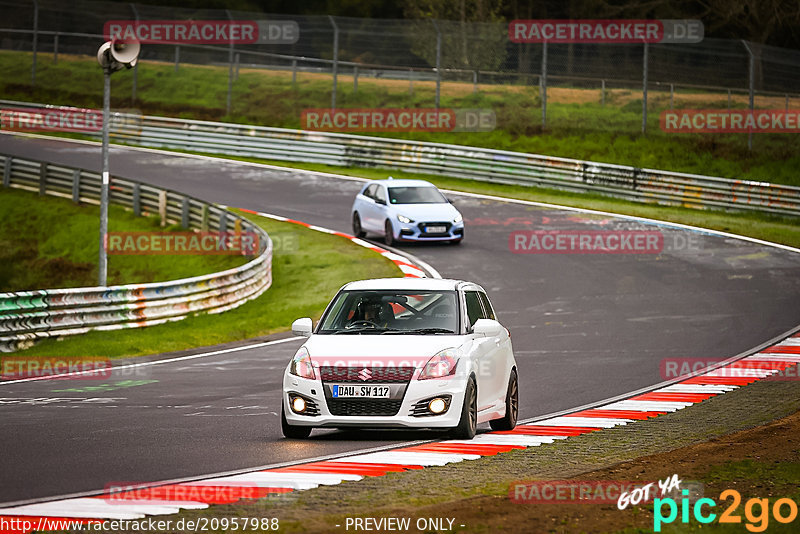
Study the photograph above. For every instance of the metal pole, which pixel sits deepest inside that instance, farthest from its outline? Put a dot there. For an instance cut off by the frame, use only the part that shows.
(355, 79)
(177, 57)
(236, 61)
(475, 81)
(230, 71)
(786, 105)
(410, 81)
(644, 87)
(294, 72)
(729, 100)
(438, 63)
(335, 67)
(103, 263)
(55, 50)
(671, 96)
(602, 93)
(543, 84)
(752, 90)
(135, 67)
(35, 39)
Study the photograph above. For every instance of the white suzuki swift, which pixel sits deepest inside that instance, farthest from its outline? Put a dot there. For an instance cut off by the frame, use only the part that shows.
(402, 353)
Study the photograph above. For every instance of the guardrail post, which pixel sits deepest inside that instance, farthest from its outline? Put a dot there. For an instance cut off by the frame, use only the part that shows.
(294, 72)
(7, 171)
(42, 179)
(223, 221)
(644, 87)
(729, 100)
(335, 67)
(76, 186)
(177, 57)
(786, 105)
(162, 207)
(137, 199)
(474, 81)
(204, 218)
(410, 81)
(35, 39)
(185, 213)
(355, 79)
(671, 95)
(55, 49)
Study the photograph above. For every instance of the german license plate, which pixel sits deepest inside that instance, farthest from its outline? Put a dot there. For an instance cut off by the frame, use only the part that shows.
(435, 229)
(347, 390)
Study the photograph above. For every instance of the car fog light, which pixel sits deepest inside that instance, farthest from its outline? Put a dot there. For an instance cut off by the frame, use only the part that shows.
(299, 405)
(437, 405)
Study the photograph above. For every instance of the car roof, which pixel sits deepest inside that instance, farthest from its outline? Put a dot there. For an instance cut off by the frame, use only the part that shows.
(402, 183)
(423, 284)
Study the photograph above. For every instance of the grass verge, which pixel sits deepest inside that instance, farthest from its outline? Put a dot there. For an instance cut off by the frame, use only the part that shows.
(48, 243)
(578, 125)
(308, 267)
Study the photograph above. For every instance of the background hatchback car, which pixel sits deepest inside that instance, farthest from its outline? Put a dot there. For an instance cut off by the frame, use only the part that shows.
(406, 210)
(402, 353)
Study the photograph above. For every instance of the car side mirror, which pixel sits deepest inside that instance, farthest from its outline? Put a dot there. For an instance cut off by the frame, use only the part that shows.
(487, 327)
(302, 327)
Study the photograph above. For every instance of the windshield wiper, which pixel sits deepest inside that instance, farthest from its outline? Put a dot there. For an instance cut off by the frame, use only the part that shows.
(423, 331)
(359, 330)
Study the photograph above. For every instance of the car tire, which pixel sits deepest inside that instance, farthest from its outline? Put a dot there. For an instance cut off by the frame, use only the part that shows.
(512, 406)
(389, 237)
(468, 424)
(293, 431)
(358, 231)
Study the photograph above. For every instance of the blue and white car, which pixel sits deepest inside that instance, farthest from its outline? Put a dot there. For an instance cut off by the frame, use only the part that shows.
(406, 210)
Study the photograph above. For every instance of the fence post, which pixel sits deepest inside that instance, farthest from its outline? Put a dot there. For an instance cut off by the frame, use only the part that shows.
(7, 171)
(136, 66)
(35, 39)
(76, 186)
(729, 100)
(602, 93)
(230, 70)
(644, 87)
(42, 179)
(438, 62)
(335, 67)
(410, 81)
(177, 57)
(294, 72)
(162, 207)
(671, 95)
(786, 105)
(543, 84)
(474, 81)
(752, 76)
(355, 79)
(55, 49)
(223, 221)
(236, 61)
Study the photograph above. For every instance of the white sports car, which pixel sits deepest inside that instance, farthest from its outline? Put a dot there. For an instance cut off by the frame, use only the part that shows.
(402, 353)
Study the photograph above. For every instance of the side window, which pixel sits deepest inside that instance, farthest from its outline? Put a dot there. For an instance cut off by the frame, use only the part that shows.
(474, 310)
(380, 194)
(487, 306)
(370, 191)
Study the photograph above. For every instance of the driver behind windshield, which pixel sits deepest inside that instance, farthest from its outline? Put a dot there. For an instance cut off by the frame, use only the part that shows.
(372, 312)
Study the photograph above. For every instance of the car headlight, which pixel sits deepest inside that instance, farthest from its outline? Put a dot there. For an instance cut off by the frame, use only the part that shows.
(404, 219)
(442, 364)
(301, 364)
(458, 219)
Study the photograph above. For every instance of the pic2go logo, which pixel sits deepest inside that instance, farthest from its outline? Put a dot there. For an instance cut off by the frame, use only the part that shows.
(756, 511)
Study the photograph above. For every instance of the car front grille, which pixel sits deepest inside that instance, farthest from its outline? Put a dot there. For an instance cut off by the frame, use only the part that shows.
(423, 226)
(366, 374)
(364, 407)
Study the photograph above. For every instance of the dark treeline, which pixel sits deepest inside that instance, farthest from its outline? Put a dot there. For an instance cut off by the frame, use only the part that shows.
(773, 22)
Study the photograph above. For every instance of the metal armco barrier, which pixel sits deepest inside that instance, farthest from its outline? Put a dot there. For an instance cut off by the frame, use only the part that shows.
(27, 316)
(482, 164)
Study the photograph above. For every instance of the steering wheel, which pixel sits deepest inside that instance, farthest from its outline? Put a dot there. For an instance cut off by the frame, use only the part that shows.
(362, 322)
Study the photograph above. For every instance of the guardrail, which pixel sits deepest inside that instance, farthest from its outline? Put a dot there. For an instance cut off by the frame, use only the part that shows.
(27, 316)
(482, 164)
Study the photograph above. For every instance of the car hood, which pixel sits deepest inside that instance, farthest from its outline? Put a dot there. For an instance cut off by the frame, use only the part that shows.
(390, 350)
(427, 212)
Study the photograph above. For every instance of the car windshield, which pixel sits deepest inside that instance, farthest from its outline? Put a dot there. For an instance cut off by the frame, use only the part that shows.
(391, 312)
(415, 195)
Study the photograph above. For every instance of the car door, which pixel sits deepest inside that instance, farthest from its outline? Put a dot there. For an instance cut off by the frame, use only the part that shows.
(484, 350)
(381, 208)
(502, 354)
(367, 209)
